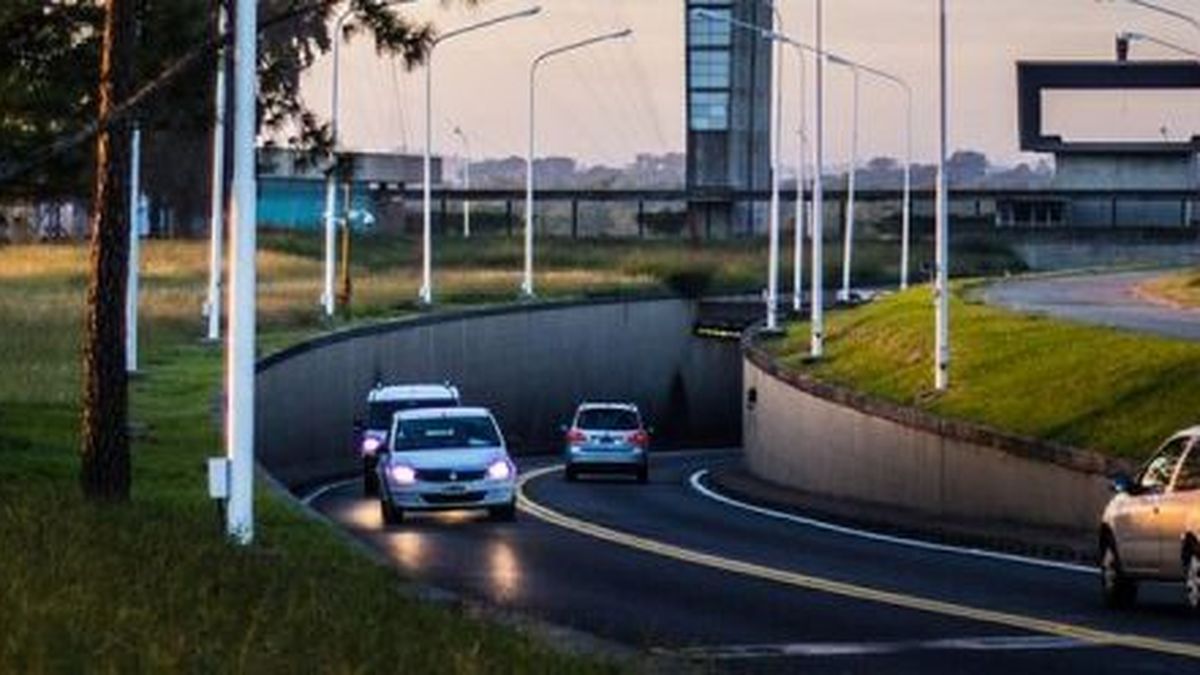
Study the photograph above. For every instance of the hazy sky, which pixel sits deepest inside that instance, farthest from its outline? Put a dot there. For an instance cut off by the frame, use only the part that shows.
(610, 102)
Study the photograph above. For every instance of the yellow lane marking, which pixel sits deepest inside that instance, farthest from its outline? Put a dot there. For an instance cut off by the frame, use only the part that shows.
(844, 589)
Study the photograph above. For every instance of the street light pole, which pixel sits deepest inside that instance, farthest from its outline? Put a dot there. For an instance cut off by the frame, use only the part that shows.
(801, 195)
(817, 320)
(776, 144)
(425, 296)
(942, 285)
(527, 287)
(466, 182)
(328, 300)
(852, 181)
(132, 292)
(216, 218)
(239, 378)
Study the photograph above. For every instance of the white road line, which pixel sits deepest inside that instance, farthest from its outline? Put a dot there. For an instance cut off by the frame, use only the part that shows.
(323, 490)
(696, 481)
(828, 649)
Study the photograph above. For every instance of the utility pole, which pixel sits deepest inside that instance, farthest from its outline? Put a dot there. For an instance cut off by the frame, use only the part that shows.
(941, 291)
(132, 292)
(216, 218)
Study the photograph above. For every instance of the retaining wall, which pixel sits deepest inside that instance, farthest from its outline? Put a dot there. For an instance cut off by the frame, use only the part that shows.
(530, 364)
(832, 442)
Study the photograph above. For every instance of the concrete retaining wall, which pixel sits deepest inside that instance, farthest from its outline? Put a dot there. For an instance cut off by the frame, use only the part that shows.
(530, 365)
(832, 442)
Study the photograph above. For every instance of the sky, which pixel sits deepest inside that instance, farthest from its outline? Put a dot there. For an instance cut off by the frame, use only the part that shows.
(606, 104)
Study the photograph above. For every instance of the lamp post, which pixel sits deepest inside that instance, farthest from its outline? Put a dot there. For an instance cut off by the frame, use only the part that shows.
(239, 378)
(425, 296)
(466, 181)
(942, 285)
(817, 304)
(851, 179)
(135, 250)
(801, 197)
(216, 218)
(906, 199)
(527, 287)
(1130, 36)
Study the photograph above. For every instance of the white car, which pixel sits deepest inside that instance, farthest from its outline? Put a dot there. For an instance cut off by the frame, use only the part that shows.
(446, 459)
(383, 402)
(606, 438)
(1151, 529)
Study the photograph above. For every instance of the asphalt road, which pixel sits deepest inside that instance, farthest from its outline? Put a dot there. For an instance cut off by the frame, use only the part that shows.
(1102, 299)
(666, 569)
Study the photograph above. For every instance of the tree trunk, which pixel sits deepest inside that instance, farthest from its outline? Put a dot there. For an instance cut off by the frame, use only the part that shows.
(105, 473)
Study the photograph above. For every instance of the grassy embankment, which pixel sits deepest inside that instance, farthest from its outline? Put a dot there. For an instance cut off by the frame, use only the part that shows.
(1112, 391)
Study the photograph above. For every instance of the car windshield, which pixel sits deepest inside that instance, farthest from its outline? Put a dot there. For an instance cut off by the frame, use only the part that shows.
(608, 419)
(438, 433)
(380, 413)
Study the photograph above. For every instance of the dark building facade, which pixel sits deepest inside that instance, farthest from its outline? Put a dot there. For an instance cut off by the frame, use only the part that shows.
(728, 113)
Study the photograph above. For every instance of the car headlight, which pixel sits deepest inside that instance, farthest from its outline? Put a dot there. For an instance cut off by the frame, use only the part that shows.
(500, 469)
(371, 444)
(402, 474)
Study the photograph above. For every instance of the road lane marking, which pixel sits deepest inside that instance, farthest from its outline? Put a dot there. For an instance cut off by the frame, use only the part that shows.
(841, 588)
(696, 481)
(833, 649)
(316, 494)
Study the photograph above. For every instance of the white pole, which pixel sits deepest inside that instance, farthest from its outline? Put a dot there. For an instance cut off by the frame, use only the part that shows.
(425, 295)
(801, 196)
(239, 383)
(942, 289)
(328, 298)
(216, 218)
(135, 254)
(818, 247)
(776, 142)
(906, 218)
(851, 185)
(527, 287)
(466, 183)
(527, 276)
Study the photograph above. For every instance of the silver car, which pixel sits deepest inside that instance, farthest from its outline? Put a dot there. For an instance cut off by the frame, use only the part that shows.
(607, 437)
(1151, 528)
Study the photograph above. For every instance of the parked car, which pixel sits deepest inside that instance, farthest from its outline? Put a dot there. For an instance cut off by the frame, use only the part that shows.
(383, 402)
(446, 459)
(1151, 528)
(607, 437)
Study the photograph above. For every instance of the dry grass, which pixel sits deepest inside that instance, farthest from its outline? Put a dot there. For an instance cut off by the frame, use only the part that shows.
(1179, 289)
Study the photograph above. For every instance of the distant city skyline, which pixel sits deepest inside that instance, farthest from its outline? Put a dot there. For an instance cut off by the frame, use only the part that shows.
(606, 105)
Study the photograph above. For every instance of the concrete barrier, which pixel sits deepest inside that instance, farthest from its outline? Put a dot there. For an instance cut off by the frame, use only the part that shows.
(530, 364)
(832, 442)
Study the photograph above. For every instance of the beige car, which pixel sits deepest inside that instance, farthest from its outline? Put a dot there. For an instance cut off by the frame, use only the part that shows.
(1151, 528)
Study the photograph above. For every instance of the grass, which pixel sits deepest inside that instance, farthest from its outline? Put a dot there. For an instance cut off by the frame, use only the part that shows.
(1111, 391)
(1180, 289)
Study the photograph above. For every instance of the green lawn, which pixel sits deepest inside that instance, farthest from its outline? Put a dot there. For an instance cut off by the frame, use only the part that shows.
(1112, 391)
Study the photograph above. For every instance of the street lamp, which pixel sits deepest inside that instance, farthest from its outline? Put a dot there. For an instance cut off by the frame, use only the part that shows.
(527, 289)
(851, 179)
(466, 181)
(425, 296)
(216, 221)
(942, 286)
(1130, 36)
(906, 199)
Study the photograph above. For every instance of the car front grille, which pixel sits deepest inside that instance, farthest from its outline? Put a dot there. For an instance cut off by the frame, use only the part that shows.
(464, 498)
(449, 475)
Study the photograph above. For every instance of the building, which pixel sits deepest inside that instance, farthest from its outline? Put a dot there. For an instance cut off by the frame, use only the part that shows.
(1111, 165)
(728, 113)
(292, 189)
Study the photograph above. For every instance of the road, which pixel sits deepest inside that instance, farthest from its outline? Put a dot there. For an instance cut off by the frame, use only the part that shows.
(666, 569)
(1103, 299)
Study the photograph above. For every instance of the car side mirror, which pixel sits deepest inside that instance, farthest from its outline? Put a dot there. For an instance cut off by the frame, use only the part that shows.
(1122, 484)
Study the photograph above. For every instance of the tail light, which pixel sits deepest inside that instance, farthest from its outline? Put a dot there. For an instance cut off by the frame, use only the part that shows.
(576, 437)
(640, 438)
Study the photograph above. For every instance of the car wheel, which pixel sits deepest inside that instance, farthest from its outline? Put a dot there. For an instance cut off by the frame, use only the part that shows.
(391, 514)
(643, 474)
(506, 513)
(1120, 592)
(1191, 571)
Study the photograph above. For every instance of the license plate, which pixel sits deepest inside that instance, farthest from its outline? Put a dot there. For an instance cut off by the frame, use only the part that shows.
(455, 489)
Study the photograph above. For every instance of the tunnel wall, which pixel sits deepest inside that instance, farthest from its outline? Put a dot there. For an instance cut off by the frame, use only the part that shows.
(832, 442)
(530, 364)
